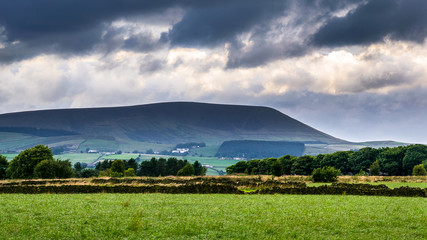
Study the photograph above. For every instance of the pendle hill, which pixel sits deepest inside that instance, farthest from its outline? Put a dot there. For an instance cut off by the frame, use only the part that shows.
(222, 130)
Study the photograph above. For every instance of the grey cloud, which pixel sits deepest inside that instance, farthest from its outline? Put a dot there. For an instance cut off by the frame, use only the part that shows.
(374, 21)
(263, 52)
(66, 27)
(150, 64)
(219, 23)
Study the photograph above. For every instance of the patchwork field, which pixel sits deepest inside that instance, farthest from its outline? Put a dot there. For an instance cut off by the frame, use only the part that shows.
(210, 216)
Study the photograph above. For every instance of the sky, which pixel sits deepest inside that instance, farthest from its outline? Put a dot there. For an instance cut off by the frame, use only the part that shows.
(356, 70)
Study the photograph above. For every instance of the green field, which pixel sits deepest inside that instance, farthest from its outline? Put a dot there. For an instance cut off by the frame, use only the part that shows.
(189, 216)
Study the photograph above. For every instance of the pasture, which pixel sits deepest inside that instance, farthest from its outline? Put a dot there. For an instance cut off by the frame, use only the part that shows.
(210, 216)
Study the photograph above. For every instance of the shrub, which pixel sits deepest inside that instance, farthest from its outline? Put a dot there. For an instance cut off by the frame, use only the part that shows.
(419, 170)
(325, 174)
(130, 173)
(374, 169)
(87, 173)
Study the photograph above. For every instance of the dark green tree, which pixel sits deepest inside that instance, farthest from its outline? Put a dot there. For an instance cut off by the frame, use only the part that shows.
(414, 155)
(161, 167)
(131, 163)
(187, 170)
(199, 170)
(172, 166)
(87, 173)
(338, 159)
(3, 166)
(362, 159)
(303, 165)
(390, 161)
(239, 167)
(276, 169)
(252, 166)
(78, 167)
(118, 166)
(22, 166)
(63, 169)
(286, 162)
(45, 169)
(53, 169)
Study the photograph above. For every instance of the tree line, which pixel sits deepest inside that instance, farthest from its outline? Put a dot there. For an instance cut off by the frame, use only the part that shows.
(38, 162)
(396, 161)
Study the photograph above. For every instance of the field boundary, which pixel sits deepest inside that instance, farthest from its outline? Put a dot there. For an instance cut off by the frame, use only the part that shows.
(202, 185)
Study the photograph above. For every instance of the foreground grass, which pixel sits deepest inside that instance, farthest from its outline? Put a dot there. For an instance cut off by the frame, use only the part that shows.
(164, 216)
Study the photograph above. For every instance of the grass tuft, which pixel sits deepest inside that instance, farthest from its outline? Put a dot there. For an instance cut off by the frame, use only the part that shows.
(136, 220)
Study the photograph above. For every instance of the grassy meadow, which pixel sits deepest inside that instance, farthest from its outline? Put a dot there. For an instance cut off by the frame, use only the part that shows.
(210, 216)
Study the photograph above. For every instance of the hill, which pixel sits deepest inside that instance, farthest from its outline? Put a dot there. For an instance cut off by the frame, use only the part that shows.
(158, 126)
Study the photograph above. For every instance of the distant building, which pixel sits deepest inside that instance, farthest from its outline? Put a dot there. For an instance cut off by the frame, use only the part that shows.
(92, 151)
(181, 150)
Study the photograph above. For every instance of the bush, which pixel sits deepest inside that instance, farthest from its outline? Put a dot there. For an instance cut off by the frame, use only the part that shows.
(325, 174)
(87, 173)
(130, 173)
(374, 169)
(419, 170)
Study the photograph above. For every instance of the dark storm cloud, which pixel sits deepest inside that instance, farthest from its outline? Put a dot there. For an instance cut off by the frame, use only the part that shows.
(75, 27)
(374, 21)
(220, 23)
(67, 26)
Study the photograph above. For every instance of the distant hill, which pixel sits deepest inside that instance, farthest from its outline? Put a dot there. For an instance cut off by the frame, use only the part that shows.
(158, 126)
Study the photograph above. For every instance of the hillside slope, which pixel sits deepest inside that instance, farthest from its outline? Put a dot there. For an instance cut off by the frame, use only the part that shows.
(166, 123)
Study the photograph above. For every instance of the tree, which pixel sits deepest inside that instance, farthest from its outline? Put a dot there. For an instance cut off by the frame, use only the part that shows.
(87, 173)
(22, 166)
(78, 167)
(239, 167)
(303, 165)
(130, 172)
(419, 170)
(3, 166)
(172, 166)
(131, 163)
(199, 170)
(374, 169)
(286, 162)
(390, 161)
(276, 169)
(53, 169)
(118, 166)
(187, 170)
(414, 155)
(45, 169)
(325, 174)
(338, 159)
(362, 159)
(63, 169)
